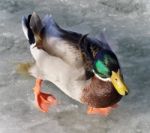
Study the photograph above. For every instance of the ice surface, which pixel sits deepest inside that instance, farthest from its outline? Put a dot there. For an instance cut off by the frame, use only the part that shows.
(127, 25)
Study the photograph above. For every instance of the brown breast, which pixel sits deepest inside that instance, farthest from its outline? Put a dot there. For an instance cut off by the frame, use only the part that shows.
(100, 94)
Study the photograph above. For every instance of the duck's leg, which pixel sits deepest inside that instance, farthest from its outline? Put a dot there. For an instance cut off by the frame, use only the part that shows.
(101, 111)
(42, 100)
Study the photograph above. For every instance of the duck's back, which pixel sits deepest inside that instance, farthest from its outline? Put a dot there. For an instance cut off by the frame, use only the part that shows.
(56, 41)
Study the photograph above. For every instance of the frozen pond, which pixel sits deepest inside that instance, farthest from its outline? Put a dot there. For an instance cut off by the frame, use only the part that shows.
(127, 25)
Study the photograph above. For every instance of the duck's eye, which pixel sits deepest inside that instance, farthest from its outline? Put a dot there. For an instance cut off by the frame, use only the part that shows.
(101, 68)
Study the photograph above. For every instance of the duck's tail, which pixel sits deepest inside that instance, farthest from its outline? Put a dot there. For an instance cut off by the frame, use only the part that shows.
(27, 30)
(32, 28)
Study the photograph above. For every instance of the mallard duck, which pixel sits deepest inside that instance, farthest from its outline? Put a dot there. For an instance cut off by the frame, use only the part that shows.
(84, 68)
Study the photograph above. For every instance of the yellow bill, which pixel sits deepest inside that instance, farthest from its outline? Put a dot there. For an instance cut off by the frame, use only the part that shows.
(118, 83)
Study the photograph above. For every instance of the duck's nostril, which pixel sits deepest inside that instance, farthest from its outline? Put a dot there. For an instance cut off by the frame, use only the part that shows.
(126, 93)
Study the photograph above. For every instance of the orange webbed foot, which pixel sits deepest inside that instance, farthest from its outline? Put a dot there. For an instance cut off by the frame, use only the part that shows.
(43, 100)
(101, 111)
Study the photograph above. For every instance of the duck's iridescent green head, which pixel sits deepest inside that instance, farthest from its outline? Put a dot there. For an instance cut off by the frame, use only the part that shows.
(107, 68)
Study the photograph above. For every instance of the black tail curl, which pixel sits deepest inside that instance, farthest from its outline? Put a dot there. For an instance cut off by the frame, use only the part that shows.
(26, 25)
